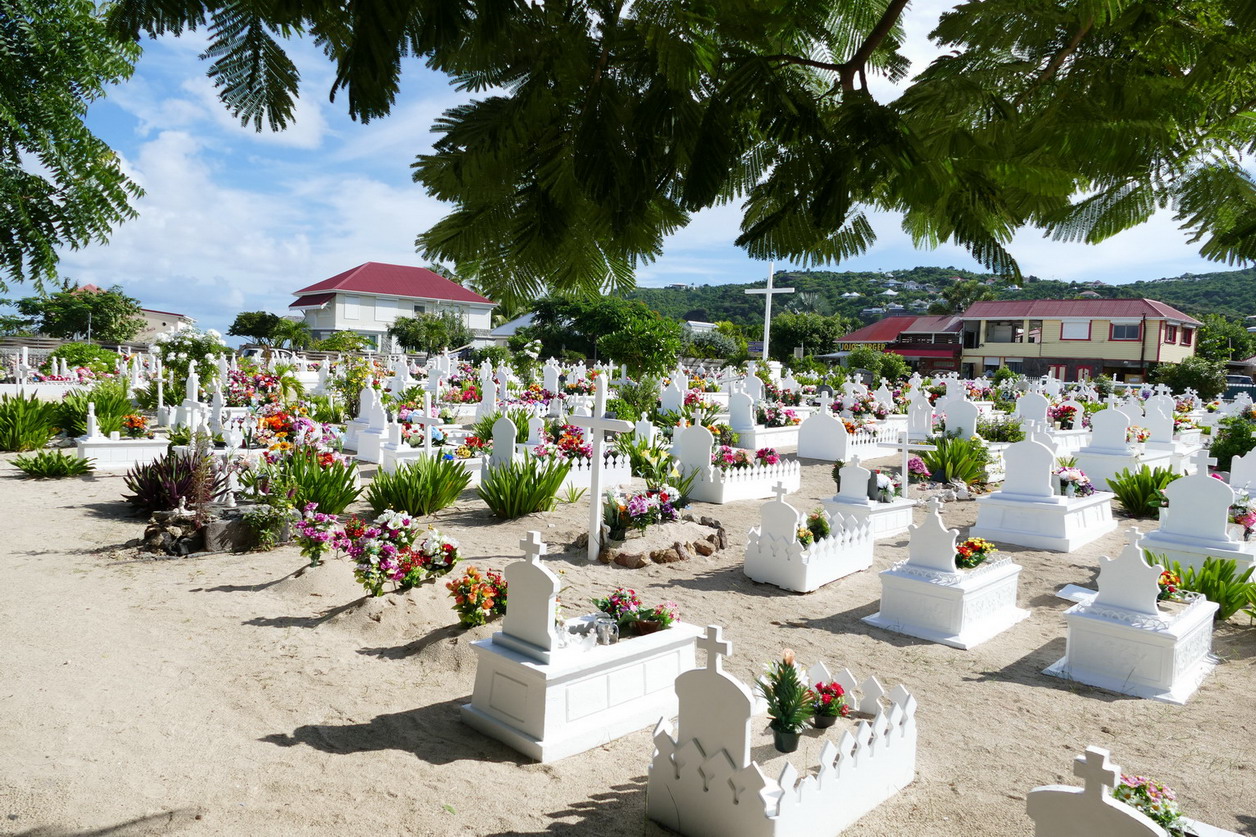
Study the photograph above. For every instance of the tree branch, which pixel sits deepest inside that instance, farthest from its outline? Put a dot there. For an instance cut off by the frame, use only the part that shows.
(806, 62)
(1057, 60)
(858, 62)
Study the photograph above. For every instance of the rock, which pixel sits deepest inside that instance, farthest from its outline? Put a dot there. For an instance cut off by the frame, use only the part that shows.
(665, 556)
(722, 543)
(606, 555)
(174, 531)
(683, 551)
(703, 548)
(631, 560)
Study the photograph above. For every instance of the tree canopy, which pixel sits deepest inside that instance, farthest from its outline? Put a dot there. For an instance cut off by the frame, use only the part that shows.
(431, 332)
(601, 126)
(109, 316)
(60, 185)
(260, 325)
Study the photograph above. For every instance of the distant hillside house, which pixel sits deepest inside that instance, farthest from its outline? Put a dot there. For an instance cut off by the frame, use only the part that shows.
(930, 344)
(1075, 339)
(155, 322)
(697, 327)
(369, 298)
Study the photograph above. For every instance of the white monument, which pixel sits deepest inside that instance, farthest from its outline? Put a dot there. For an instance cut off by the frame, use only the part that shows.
(774, 554)
(852, 499)
(1195, 524)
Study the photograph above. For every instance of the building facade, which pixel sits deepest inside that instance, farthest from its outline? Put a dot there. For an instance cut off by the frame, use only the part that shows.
(930, 344)
(1075, 339)
(369, 298)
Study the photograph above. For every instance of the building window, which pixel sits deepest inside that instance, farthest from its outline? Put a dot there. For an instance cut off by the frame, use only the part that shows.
(1035, 331)
(420, 309)
(1125, 331)
(1075, 330)
(1170, 334)
(1187, 335)
(384, 309)
(351, 308)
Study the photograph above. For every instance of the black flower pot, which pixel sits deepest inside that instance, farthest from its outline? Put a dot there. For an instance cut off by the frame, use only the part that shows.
(786, 742)
(823, 721)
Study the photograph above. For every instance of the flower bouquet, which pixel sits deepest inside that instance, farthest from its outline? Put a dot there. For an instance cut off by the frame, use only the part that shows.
(478, 598)
(830, 704)
(625, 607)
(1063, 414)
(1170, 587)
(1243, 512)
(394, 548)
(1151, 798)
(135, 426)
(776, 416)
(889, 486)
(622, 510)
(1183, 422)
(1137, 433)
(316, 532)
(1074, 482)
(973, 553)
(917, 471)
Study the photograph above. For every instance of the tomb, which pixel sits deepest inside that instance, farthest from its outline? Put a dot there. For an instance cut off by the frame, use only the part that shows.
(751, 435)
(113, 452)
(1109, 453)
(550, 692)
(694, 448)
(774, 554)
(928, 597)
(1026, 511)
(1122, 641)
(703, 783)
(885, 520)
(1195, 524)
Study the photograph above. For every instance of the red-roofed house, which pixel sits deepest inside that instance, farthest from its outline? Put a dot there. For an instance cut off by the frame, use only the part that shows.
(1074, 339)
(367, 300)
(931, 344)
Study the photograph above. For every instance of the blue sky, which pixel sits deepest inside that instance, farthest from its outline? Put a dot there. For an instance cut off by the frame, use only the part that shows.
(235, 220)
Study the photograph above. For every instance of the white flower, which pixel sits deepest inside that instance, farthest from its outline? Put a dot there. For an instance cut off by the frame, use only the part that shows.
(214, 333)
(161, 337)
(183, 355)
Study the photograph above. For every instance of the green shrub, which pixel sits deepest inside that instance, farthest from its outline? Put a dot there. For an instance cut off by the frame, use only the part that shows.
(957, 459)
(654, 464)
(523, 486)
(1218, 580)
(111, 405)
(710, 344)
(483, 428)
(495, 355)
(427, 485)
(1002, 375)
(26, 423)
(1001, 430)
(1234, 438)
(1206, 377)
(87, 355)
(1141, 492)
(332, 487)
(54, 464)
(328, 410)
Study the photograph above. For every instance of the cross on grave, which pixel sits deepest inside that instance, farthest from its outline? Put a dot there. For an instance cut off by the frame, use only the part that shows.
(533, 547)
(907, 447)
(826, 402)
(715, 646)
(1203, 460)
(1096, 771)
(780, 491)
(595, 425)
(427, 422)
(768, 293)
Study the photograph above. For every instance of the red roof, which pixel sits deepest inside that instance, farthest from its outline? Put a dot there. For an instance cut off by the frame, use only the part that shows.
(312, 301)
(1101, 308)
(888, 330)
(396, 280)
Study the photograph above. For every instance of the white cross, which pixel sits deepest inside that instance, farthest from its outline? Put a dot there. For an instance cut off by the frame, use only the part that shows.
(1133, 536)
(715, 646)
(533, 547)
(826, 402)
(1096, 771)
(427, 422)
(907, 447)
(768, 292)
(1203, 460)
(780, 491)
(594, 426)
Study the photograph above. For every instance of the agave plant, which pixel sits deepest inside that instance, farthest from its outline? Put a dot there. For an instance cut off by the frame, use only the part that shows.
(427, 485)
(54, 464)
(1218, 580)
(26, 423)
(160, 485)
(111, 405)
(957, 459)
(523, 487)
(1141, 492)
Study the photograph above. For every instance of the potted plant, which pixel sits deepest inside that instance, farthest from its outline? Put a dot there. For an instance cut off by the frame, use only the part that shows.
(650, 620)
(789, 701)
(830, 704)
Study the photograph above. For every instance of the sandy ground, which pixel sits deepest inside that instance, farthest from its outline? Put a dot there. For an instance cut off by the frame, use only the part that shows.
(226, 695)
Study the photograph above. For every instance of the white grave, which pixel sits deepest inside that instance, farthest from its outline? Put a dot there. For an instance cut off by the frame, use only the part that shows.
(927, 596)
(1195, 524)
(752, 436)
(549, 694)
(114, 453)
(1026, 511)
(886, 520)
(703, 783)
(694, 447)
(1109, 453)
(775, 556)
(1121, 641)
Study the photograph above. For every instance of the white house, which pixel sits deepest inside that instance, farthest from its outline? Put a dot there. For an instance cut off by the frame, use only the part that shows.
(367, 300)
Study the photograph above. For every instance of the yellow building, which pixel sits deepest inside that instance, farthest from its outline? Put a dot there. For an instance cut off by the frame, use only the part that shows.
(1075, 339)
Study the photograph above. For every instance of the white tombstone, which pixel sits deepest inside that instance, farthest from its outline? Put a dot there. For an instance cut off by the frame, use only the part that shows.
(549, 376)
(961, 417)
(702, 781)
(547, 693)
(1109, 453)
(1121, 641)
(488, 399)
(821, 434)
(1243, 472)
(919, 416)
(1195, 524)
(1065, 811)
(1032, 406)
(775, 556)
(927, 596)
(886, 520)
(752, 386)
(505, 437)
(1028, 512)
(672, 398)
(372, 434)
(693, 448)
(741, 412)
(643, 431)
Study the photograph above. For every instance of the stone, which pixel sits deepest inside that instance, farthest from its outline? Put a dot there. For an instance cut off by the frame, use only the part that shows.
(703, 548)
(665, 556)
(682, 551)
(631, 560)
(721, 538)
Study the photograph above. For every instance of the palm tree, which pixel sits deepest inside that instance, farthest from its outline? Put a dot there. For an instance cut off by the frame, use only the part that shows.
(293, 334)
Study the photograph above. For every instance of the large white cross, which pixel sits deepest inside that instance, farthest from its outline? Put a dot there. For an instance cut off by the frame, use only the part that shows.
(768, 292)
(594, 426)
(715, 646)
(907, 447)
(1203, 460)
(427, 422)
(1096, 771)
